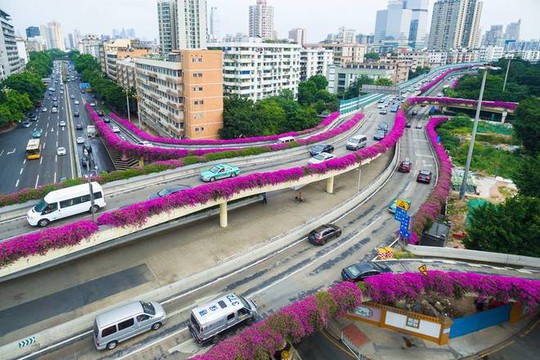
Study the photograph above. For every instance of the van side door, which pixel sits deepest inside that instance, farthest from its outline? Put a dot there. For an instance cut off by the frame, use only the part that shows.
(232, 319)
(127, 329)
(144, 322)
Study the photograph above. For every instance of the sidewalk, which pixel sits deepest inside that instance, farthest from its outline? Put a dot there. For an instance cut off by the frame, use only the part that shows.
(383, 344)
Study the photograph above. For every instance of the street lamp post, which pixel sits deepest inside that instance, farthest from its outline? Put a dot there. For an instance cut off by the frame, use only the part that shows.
(127, 103)
(506, 76)
(138, 99)
(88, 158)
(475, 126)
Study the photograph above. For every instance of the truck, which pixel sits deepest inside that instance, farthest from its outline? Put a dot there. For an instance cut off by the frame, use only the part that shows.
(91, 131)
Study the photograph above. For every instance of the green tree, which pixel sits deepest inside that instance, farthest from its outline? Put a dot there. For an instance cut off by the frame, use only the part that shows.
(527, 176)
(527, 124)
(372, 56)
(320, 82)
(356, 87)
(26, 82)
(420, 70)
(512, 227)
(384, 82)
(13, 105)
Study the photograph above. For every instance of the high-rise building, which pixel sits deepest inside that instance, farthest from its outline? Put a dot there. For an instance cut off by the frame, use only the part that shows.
(419, 21)
(345, 36)
(191, 24)
(10, 62)
(53, 35)
(168, 28)
(314, 61)
(130, 33)
(512, 31)
(213, 26)
(32, 31)
(455, 24)
(394, 23)
(193, 83)
(261, 20)
(494, 36)
(298, 35)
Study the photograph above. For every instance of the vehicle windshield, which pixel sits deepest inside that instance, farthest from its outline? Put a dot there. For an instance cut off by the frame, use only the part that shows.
(353, 270)
(148, 308)
(423, 172)
(245, 303)
(164, 192)
(215, 169)
(195, 324)
(40, 206)
(319, 156)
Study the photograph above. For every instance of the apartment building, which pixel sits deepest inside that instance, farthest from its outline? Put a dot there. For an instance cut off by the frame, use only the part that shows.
(342, 77)
(125, 73)
(182, 96)
(111, 52)
(192, 24)
(258, 70)
(261, 20)
(167, 25)
(344, 54)
(314, 61)
(90, 44)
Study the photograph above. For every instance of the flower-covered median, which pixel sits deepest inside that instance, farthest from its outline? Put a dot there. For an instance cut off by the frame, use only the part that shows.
(145, 136)
(458, 101)
(304, 317)
(435, 81)
(137, 214)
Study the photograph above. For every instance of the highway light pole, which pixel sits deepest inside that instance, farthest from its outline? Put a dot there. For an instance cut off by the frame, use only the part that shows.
(506, 76)
(127, 103)
(475, 127)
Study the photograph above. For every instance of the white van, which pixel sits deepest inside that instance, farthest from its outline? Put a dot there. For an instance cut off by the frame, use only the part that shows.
(212, 318)
(62, 203)
(357, 142)
(285, 139)
(125, 322)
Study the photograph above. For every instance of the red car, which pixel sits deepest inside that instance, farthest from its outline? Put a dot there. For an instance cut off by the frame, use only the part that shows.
(405, 166)
(424, 176)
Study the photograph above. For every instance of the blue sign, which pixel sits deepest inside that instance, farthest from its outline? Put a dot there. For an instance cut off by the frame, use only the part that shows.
(84, 85)
(400, 214)
(438, 139)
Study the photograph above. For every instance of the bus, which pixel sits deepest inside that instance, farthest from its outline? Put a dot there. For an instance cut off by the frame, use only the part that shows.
(33, 149)
(65, 202)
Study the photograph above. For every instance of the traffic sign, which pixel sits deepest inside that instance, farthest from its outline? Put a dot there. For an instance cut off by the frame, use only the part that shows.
(400, 214)
(402, 204)
(423, 269)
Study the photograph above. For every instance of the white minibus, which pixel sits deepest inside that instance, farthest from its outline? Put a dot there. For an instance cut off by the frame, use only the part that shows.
(62, 203)
(285, 139)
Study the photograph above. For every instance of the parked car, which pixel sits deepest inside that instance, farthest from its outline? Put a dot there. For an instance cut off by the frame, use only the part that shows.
(79, 126)
(317, 149)
(25, 124)
(321, 157)
(33, 117)
(168, 191)
(61, 151)
(424, 176)
(84, 161)
(220, 171)
(80, 140)
(36, 134)
(393, 205)
(362, 270)
(405, 166)
(323, 233)
(379, 135)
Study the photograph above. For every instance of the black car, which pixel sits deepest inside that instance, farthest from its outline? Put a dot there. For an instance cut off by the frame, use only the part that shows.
(99, 112)
(25, 124)
(106, 120)
(79, 126)
(33, 117)
(317, 149)
(76, 114)
(408, 124)
(323, 233)
(168, 191)
(361, 270)
(415, 112)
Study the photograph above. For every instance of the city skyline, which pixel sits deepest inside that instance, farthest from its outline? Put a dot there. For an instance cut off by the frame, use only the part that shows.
(234, 16)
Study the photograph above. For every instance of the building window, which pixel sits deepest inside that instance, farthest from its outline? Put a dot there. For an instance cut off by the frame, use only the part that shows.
(196, 60)
(198, 88)
(197, 74)
(199, 129)
(198, 102)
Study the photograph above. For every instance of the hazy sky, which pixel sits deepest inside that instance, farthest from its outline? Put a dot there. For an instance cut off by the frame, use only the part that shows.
(319, 17)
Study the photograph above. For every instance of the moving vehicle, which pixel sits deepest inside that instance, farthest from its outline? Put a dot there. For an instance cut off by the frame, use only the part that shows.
(25, 124)
(320, 148)
(44, 109)
(220, 171)
(61, 151)
(418, 125)
(91, 131)
(405, 166)
(357, 142)
(80, 140)
(36, 134)
(59, 204)
(168, 191)
(33, 149)
(54, 109)
(379, 135)
(285, 139)
(323, 233)
(362, 270)
(76, 114)
(144, 143)
(124, 322)
(321, 157)
(383, 126)
(62, 123)
(424, 176)
(394, 108)
(76, 102)
(115, 129)
(79, 126)
(209, 320)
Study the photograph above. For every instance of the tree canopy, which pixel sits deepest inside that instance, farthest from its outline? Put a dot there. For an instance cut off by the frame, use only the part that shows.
(356, 87)
(527, 124)
(420, 70)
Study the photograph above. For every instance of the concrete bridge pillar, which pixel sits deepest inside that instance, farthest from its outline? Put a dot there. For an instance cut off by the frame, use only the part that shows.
(330, 185)
(504, 114)
(223, 220)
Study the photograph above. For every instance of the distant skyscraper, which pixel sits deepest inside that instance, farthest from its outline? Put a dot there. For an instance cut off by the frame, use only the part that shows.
(419, 21)
(191, 24)
(54, 37)
(512, 31)
(130, 33)
(10, 62)
(298, 35)
(32, 31)
(213, 26)
(494, 36)
(261, 20)
(168, 26)
(455, 24)
(394, 23)
(345, 36)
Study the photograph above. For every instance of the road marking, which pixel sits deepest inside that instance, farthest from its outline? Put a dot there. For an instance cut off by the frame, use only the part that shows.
(24, 161)
(37, 180)
(524, 271)
(315, 259)
(43, 146)
(1, 153)
(54, 177)
(161, 339)
(20, 172)
(40, 160)
(17, 183)
(11, 152)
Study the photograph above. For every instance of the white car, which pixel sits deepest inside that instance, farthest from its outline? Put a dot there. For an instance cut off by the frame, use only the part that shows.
(62, 123)
(92, 104)
(76, 102)
(54, 110)
(61, 151)
(145, 143)
(321, 157)
(80, 140)
(44, 109)
(115, 129)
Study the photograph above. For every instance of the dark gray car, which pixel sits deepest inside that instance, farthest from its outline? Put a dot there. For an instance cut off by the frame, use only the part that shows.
(168, 191)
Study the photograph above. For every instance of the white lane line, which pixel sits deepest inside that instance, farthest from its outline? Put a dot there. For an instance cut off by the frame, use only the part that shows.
(55, 158)
(1, 153)
(43, 146)
(54, 177)
(315, 259)
(17, 183)
(56, 143)
(40, 160)
(20, 172)
(24, 161)
(37, 180)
